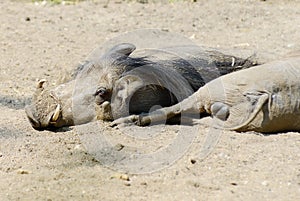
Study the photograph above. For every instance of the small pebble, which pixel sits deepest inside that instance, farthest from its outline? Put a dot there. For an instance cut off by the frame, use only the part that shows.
(127, 184)
(124, 177)
(119, 147)
(78, 147)
(144, 183)
(21, 171)
(264, 183)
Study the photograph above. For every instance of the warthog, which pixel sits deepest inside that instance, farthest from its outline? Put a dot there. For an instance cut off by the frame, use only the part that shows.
(124, 81)
(264, 98)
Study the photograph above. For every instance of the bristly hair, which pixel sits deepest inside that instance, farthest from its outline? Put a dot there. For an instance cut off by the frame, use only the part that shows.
(129, 63)
(119, 64)
(218, 64)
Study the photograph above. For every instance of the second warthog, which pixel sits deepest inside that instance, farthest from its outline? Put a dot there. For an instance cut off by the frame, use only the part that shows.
(123, 82)
(264, 98)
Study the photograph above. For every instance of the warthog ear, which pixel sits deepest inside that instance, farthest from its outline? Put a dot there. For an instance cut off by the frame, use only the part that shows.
(122, 48)
(119, 51)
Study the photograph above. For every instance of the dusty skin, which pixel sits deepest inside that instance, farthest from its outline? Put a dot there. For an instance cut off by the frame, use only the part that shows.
(42, 41)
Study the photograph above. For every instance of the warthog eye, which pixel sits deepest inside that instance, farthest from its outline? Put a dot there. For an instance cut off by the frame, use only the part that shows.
(102, 91)
(102, 94)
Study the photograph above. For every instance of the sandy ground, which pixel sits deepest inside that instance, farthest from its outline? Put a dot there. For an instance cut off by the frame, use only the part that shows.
(42, 41)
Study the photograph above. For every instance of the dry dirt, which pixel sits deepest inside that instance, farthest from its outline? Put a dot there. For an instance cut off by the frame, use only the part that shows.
(42, 41)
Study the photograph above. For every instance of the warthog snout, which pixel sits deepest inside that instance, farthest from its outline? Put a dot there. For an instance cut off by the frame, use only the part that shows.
(51, 119)
(46, 111)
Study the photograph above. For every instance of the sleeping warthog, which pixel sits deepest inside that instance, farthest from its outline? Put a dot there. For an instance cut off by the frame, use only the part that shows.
(108, 88)
(264, 99)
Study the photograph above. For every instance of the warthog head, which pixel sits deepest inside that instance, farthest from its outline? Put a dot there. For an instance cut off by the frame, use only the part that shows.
(91, 92)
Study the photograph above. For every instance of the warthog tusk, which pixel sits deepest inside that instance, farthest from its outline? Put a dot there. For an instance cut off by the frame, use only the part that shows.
(41, 82)
(56, 114)
(105, 104)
